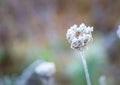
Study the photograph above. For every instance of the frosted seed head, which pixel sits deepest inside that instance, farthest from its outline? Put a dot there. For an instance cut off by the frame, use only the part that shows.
(70, 34)
(79, 37)
(73, 27)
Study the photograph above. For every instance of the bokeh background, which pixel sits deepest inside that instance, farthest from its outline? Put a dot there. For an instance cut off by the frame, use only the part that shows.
(36, 29)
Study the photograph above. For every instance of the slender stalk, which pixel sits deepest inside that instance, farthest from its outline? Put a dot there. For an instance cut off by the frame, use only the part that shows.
(85, 68)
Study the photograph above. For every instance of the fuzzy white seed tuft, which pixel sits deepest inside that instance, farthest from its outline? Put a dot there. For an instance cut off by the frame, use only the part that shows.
(79, 37)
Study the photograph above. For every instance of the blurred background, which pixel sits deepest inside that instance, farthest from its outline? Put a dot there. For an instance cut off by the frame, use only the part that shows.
(36, 29)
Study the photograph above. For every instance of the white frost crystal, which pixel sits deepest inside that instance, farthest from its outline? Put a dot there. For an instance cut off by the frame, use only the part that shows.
(46, 69)
(79, 37)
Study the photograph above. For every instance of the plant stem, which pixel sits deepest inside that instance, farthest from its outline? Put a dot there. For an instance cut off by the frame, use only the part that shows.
(85, 68)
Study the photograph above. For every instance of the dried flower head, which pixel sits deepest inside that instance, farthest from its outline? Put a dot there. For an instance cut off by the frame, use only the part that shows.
(79, 37)
(45, 69)
(118, 31)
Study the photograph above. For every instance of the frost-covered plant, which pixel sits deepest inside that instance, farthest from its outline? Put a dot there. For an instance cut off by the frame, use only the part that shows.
(27, 73)
(46, 71)
(79, 37)
(38, 73)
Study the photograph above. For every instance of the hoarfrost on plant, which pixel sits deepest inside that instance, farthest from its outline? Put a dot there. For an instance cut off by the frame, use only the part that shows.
(79, 36)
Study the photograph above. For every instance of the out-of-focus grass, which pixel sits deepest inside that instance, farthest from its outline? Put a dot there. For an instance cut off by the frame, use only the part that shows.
(46, 54)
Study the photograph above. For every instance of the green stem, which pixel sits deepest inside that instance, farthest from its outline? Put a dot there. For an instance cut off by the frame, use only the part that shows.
(85, 68)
